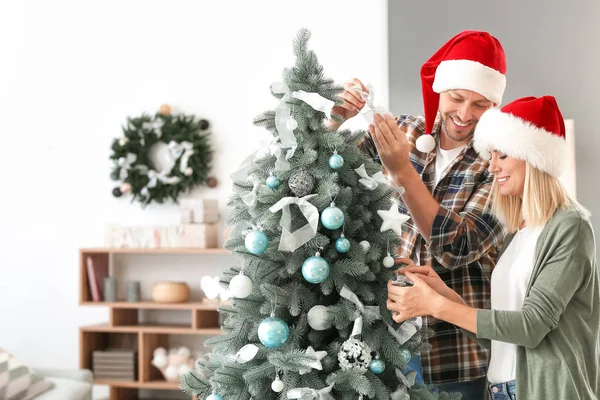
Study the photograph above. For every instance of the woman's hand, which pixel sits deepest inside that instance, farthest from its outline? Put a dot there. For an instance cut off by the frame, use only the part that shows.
(410, 302)
(427, 274)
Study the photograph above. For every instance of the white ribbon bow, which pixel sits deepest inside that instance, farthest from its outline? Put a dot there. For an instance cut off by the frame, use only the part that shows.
(242, 173)
(408, 381)
(242, 228)
(155, 126)
(407, 329)
(370, 109)
(370, 182)
(348, 294)
(290, 241)
(274, 148)
(251, 197)
(184, 150)
(404, 332)
(154, 177)
(310, 394)
(124, 164)
(285, 123)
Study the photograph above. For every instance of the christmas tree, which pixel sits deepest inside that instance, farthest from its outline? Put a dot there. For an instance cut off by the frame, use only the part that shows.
(308, 318)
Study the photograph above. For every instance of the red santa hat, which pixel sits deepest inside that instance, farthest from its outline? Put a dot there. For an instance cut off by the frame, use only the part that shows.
(530, 129)
(471, 60)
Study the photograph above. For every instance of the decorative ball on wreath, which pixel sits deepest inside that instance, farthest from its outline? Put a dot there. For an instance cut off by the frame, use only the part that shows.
(184, 149)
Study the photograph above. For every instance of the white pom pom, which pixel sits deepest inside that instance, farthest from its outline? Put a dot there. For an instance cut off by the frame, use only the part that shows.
(184, 351)
(160, 351)
(240, 286)
(317, 318)
(425, 143)
(160, 361)
(171, 372)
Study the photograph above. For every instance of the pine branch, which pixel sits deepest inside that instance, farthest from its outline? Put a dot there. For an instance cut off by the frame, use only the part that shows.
(192, 385)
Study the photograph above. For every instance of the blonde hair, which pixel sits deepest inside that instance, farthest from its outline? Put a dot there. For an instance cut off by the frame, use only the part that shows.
(543, 195)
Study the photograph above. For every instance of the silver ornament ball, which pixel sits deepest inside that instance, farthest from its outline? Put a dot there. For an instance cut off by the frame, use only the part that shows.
(301, 183)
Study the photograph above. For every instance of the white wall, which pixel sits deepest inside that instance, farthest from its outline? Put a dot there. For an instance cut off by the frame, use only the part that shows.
(71, 71)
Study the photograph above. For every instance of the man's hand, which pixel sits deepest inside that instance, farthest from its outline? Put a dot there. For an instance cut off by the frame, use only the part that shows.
(352, 102)
(392, 146)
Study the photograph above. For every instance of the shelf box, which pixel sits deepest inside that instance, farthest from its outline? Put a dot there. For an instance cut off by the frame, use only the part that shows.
(90, 341)
(118, 365)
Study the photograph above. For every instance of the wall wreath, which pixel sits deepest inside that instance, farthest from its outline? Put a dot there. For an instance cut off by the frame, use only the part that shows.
(183, 141)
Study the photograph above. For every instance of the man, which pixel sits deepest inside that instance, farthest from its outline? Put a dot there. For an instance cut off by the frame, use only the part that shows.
(447, 186)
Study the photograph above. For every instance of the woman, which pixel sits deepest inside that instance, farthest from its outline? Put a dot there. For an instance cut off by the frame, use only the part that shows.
(543, 328)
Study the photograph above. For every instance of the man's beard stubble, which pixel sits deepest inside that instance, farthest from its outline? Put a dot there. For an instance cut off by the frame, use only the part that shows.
(451, 136)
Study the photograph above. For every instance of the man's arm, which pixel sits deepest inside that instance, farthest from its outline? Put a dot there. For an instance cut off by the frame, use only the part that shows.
(455, 239)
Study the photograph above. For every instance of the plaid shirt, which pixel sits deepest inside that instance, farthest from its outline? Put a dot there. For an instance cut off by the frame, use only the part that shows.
(463, 247)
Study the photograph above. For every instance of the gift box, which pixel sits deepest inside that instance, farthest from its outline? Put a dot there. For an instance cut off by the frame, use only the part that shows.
(198, 235)
(199, 211)
(184, 235)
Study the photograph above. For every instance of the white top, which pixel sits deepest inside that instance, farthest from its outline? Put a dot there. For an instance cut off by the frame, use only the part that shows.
(443, 158)
(509, 284)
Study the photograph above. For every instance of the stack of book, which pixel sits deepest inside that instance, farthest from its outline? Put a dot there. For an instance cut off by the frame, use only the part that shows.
(115, 365)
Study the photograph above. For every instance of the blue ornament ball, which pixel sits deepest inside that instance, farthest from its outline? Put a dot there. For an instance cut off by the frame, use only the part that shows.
(215, 397)
(257, 242)
(405, 356)
(273, 182)
(377, 366)
(315, 269)
(332, 217)
(273, 332)
(336, 161)
(342, 245)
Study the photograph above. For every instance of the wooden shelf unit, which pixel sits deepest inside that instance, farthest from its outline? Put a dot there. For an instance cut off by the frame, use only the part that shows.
(124, 330)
